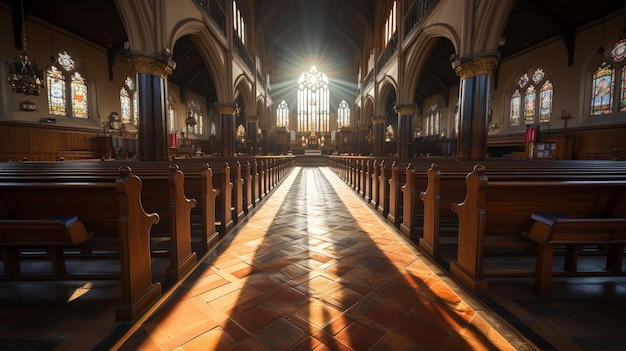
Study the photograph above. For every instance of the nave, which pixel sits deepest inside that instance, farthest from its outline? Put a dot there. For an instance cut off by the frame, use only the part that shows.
(313, 268)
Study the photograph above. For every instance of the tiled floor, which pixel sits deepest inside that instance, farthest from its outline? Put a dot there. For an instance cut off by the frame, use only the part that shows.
(316, 268)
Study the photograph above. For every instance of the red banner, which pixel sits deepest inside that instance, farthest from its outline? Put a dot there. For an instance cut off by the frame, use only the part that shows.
(531, 135)
(173, 141)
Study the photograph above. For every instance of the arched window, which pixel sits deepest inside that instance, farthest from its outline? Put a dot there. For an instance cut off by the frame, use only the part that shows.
(63, 70)
(536, 89)
(433, 121)
(238, 23)
(602, 90)
(129, 102)
(282, 115)
(343, 115)
(195, 111)
(390, 24)
(313, 102)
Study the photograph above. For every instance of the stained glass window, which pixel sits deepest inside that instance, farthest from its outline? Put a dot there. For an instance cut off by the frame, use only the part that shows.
(536, 99)
(516, 101)
(56, 91)
(63, 81)
(529, 105)
(282, 115)
(66, 61)
(125, 105)
(343, 114)
(79, 96)
(618, 52)
(523, 80)
(545, 102)
(602, 90)
(538, 75)
(433, 120)
(129, 103)
(195, 111)
(313, 101)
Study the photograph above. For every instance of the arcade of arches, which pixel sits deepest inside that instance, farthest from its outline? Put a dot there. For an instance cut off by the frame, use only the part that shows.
(405, 77)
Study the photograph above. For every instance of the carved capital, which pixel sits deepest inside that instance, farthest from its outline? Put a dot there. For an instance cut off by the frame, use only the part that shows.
(405, 109)
(151, 66)
(226, 109)
(475, 67)
(379, 119)
(252, 119)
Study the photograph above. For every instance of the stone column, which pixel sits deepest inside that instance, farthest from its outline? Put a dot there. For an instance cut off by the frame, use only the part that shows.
(152, 95)
(379, 135)
(227, 117)
(475, 74)
(252, 127)
(404, 135)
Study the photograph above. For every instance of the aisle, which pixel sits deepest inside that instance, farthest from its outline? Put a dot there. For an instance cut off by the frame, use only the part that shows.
(315, 268)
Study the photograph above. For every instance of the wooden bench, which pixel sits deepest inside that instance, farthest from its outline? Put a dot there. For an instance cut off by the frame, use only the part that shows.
(51, 234)
(496, 213)
(550, 229)
(109, 209)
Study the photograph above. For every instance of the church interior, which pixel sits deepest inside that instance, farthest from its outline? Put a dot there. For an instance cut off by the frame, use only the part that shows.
(298, 175)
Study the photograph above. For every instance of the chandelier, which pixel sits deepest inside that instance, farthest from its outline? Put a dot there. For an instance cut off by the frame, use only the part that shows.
(24, 76)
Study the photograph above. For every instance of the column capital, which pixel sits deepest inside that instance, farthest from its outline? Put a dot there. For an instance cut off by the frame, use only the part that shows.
(475, 66)
(379, 119)
(226, 109)
(151, 66)
(405, 109)
(252, 119)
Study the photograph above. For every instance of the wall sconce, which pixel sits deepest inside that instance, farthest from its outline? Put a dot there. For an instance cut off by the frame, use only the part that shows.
(494, 126)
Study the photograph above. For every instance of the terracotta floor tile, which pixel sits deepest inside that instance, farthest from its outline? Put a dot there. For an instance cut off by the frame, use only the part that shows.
(358, 336)
(281, 335)
(255, 318)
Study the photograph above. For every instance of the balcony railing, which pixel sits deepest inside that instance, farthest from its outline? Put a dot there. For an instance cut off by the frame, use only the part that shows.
(416, 13)
(241, 51)
(215, 13)
(388, 52)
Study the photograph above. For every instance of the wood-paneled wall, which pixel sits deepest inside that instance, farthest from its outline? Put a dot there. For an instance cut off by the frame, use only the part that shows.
(43, 142)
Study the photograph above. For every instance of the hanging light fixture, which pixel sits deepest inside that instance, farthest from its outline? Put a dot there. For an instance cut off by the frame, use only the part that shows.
(24, 76)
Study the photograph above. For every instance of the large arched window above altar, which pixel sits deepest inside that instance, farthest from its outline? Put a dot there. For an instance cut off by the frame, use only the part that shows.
(313, 102)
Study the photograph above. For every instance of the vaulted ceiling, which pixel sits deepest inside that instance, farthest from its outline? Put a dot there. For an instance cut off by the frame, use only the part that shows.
(326, 33)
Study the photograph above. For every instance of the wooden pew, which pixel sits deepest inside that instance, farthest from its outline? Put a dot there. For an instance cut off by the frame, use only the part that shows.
(163, 185)
(551, 229)
(106, 208)
(54, 234)
(495, 214)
